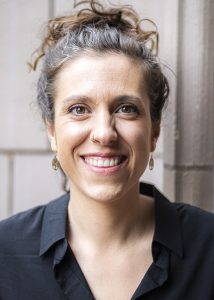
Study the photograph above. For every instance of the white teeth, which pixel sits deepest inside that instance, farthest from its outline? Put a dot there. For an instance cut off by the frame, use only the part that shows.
(106, 163)
(99, 163)
(94, 162)
(111, 163)
(117, 161)
(102, 162)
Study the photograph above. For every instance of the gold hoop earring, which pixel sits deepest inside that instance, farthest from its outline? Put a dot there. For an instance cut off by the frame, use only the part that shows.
(55, 163)
(151, 162)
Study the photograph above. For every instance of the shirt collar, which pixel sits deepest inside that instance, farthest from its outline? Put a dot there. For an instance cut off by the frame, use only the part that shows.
(167, 220)
(167, 227)
(54, 223)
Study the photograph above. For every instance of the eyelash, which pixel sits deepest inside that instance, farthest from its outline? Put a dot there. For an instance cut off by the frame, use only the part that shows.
(134, 110)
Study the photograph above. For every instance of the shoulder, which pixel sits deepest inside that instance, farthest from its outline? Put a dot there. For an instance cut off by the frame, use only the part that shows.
(194, 215)
(24, 226)
(23, 230)
(196, 223)
(20, 220)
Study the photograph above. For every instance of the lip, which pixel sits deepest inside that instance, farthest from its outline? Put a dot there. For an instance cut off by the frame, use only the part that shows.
(104, 170)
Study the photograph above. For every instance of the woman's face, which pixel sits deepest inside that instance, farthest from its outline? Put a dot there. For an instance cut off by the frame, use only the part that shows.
(102, 133)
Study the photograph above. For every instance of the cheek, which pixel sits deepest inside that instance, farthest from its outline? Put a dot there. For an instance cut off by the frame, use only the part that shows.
(137, 135)
(70, 135)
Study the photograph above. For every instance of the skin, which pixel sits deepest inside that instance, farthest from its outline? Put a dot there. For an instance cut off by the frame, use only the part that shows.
(102, 112)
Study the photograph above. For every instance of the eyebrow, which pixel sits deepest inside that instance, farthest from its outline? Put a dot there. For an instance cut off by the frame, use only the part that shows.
(76, 97)
(129, 98)
(120, 98)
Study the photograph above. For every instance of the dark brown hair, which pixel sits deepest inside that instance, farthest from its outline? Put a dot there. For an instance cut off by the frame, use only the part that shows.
(96, 28)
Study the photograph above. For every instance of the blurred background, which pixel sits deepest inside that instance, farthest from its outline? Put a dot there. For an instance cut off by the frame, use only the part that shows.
(184, 158)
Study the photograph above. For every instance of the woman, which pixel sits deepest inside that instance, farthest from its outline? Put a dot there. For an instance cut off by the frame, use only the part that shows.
(101, 93)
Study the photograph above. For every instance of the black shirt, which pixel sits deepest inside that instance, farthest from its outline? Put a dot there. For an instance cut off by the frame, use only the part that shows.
(37, 263)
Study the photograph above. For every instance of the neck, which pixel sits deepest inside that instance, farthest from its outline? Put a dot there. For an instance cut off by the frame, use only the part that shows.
(101, 225)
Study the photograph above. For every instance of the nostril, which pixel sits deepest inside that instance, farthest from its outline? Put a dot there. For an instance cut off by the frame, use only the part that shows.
(93, 139)
(107, 136)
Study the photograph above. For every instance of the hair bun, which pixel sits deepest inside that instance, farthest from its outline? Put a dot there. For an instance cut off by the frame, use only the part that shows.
(123, 17)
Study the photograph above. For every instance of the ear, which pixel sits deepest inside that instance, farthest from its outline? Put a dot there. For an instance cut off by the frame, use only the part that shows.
(51, 135)
(155, 135)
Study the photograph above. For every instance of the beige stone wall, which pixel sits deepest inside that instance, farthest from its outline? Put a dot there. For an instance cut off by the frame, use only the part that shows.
(26, 177)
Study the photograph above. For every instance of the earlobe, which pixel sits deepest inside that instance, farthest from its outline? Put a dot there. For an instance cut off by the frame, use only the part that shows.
(153, 144)
(155, 136)
(51, 136)
(53, 144)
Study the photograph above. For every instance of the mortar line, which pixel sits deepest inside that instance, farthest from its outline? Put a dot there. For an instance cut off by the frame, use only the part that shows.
(189, 168)
(25, 151)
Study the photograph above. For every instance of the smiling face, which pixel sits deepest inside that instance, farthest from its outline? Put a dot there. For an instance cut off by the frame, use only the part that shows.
(102, 131)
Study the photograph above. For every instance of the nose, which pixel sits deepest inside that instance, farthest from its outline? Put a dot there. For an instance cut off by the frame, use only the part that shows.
(104, 130)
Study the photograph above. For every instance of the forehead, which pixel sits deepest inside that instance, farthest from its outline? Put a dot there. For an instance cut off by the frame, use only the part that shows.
(101, 73)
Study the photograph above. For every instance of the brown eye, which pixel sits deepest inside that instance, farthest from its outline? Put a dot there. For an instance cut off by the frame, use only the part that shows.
(128, 109)
(78, 110)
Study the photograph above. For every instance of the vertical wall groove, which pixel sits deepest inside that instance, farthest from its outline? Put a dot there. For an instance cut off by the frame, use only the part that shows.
(51, 9)
(10, 200)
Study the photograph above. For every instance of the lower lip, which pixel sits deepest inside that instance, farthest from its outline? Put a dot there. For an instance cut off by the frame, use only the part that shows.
(106, 171)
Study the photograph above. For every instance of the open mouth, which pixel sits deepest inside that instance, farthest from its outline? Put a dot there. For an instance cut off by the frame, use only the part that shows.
(104, 162)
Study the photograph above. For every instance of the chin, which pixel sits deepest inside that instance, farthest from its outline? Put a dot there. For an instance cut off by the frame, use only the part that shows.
(104, 194)
(104, 190)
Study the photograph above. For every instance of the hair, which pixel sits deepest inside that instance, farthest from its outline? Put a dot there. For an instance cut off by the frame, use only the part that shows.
(99, 29)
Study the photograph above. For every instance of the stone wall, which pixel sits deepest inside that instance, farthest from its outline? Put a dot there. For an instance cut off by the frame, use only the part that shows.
(26, 176)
